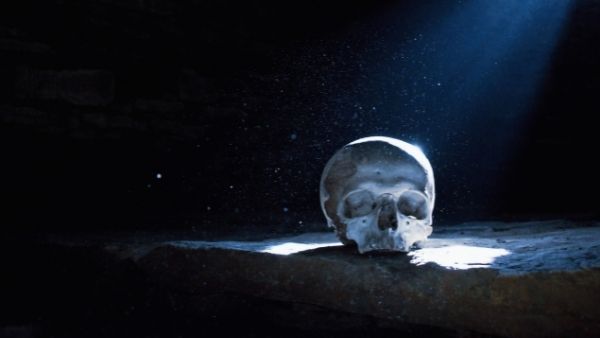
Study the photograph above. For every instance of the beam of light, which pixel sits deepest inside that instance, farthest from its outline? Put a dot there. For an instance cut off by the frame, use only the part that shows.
(291, 247)
(459, 77)
(465, 57)
(493, 59)
(459, 257)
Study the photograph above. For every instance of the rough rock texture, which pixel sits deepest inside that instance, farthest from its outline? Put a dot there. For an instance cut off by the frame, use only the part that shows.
(545, 285)
(83, 87)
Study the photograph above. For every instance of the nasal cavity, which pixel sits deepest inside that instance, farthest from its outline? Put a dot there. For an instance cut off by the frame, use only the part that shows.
(387, 214)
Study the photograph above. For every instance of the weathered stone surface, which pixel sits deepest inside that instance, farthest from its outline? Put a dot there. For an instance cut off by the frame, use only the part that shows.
(78, 87)
(157, 106)
(192, 86)
(538, 289)
(24, 47)
(22, 115)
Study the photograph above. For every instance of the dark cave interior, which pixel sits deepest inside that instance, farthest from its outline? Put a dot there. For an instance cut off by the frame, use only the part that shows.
(214, 119)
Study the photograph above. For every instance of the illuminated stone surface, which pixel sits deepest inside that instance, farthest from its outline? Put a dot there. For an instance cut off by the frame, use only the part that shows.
(525, 280)
(479, 279)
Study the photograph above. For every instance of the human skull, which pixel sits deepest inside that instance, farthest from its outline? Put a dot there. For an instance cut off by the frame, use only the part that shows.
(379, 193)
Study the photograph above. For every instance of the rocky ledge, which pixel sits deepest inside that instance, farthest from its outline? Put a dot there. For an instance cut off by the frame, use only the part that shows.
(479, 279)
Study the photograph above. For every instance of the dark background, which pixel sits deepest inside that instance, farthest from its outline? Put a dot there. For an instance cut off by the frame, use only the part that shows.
(238, 105)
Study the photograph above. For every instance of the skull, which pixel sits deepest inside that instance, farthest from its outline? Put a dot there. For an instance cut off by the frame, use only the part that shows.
(379, 193)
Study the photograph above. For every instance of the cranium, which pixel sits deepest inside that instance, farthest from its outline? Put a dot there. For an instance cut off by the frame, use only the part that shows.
(379, 193)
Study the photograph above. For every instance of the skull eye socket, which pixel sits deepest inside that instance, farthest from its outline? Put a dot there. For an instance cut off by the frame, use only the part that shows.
(413, 204)
(359, 203)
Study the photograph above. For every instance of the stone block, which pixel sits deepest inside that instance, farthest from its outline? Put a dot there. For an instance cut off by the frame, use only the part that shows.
(77, 87)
